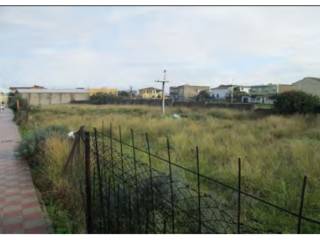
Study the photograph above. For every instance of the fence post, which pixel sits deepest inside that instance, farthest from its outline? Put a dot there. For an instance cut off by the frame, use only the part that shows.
(135, 179)
(301, 204)
(118, 209)
(88, 183)
(171, 187)
(131, 229)
(18, 105)
(199, 190)
(121, 154)
(151, 182)
(99, 178)
(164, 226)
(111, 155)
(239, 197)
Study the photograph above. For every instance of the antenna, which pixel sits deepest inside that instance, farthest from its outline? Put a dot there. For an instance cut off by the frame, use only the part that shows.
(164, 81)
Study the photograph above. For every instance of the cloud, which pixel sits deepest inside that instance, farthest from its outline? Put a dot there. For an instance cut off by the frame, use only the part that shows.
(130, 46)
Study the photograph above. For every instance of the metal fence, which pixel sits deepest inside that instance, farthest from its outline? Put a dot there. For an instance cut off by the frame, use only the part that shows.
(125, 188)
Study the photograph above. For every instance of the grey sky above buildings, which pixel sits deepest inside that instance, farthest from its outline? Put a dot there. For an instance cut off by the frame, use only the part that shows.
(64, 47)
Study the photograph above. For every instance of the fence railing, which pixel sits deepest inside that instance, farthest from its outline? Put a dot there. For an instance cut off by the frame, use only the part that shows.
(125, 188)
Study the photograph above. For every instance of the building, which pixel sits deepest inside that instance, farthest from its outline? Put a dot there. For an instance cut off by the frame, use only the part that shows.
(223, 92)
(150, 93)
(264, 93)
(43, 96)
(105, 90)
(3, 96)
(309, 85)
(186, 92)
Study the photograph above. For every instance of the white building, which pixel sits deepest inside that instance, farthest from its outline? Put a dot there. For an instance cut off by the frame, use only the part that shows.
(221, 92)
(224, 91)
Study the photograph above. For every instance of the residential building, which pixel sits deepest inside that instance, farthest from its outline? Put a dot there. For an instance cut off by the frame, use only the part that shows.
(223, 92)
(186, 92)
(150, 93)
(105, 90)
(43, 96)
(264, 93)
(309, 85)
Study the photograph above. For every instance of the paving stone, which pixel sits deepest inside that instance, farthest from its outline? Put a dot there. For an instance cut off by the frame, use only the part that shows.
(20, 210)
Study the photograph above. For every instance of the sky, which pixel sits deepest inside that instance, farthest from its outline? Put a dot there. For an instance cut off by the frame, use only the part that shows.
(67, 47)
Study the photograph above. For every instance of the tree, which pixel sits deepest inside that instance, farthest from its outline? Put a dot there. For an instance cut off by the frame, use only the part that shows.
(296, 102)
(123, 94)
(203, 96)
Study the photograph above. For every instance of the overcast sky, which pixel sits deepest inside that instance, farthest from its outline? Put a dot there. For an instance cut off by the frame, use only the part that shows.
(65, 47)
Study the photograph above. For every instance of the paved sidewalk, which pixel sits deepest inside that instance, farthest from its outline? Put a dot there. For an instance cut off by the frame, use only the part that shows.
(20, 211)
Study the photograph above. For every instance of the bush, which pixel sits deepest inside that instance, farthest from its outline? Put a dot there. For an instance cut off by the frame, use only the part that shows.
(296, 102)
(31, 145)
(103, 98)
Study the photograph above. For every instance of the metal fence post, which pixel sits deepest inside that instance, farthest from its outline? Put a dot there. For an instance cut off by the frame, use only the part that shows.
(199, 191)
(111, 156)
(121, 154)
(131, 229)
(135, 179)
(109, 207)
(239, 197)
(301, 204)
(151, 182)
(88, 183)
(99, 178)
(118, 209)
(171, 188)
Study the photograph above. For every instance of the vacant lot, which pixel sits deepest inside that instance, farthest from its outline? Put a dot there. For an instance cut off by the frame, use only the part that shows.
(276, 151)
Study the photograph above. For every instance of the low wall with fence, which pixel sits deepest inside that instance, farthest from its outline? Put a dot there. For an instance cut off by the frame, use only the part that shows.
(127, 188)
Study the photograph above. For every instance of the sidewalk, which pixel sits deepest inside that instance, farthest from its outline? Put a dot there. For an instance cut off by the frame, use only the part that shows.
(20, 211)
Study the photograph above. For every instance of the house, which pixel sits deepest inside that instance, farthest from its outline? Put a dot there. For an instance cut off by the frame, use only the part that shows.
(223, 92)
(264, 93)
(43, 96)
(105, 90)
(186, 92)
(150, 93)
(309, 85)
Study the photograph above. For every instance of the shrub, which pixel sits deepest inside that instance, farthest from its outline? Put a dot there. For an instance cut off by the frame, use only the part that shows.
(296, 102)
(31, 145)
(103, 98)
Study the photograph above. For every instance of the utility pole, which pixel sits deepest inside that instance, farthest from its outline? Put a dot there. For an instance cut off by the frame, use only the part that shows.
(164, 81)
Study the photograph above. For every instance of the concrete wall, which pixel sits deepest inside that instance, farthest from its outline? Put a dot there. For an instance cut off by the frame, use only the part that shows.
(38, 99)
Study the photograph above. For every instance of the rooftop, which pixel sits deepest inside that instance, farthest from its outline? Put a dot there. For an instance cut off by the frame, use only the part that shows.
(39, 90)
(187, 85)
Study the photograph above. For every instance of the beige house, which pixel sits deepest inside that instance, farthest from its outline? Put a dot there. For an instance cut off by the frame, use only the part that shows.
(309, 85)
(150, 93)
(38, 97)
(186, 92)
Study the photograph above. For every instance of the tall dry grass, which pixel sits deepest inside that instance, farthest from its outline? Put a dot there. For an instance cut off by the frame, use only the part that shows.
(276, 151)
